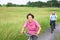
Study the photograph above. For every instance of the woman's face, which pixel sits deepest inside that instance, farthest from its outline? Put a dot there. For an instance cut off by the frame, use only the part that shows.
(30, 18)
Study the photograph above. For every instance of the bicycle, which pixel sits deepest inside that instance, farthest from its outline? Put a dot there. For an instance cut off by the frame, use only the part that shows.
(29, 36)
(52, 28)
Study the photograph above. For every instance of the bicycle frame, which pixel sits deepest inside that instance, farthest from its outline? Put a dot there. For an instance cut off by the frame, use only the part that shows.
(29, 36)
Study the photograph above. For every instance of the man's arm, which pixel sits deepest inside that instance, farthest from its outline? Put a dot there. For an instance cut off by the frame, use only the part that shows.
(50, 17)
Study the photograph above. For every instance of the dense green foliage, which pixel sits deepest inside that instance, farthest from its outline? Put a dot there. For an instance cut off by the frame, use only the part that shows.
(50, 3)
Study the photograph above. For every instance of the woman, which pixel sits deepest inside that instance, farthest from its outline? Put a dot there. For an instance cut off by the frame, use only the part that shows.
(32, 26)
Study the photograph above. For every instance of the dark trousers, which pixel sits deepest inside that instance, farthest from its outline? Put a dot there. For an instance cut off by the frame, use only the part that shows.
(52, 24)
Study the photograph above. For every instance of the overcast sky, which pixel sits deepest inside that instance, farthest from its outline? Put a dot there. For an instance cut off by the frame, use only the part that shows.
(19, 1)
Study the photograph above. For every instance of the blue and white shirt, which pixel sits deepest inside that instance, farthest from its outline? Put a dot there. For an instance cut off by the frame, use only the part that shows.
(53, 17)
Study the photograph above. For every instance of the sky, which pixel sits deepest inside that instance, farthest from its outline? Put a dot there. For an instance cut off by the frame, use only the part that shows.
(19, 1)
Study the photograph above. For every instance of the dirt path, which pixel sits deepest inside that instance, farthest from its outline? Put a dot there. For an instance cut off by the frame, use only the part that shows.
(51, 36)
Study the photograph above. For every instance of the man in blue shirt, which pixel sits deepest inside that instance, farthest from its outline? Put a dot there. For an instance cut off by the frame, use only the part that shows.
(53, 18)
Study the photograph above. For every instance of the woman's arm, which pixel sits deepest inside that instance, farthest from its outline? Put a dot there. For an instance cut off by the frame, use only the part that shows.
(22, 31)
(24, 27)
(39, 30)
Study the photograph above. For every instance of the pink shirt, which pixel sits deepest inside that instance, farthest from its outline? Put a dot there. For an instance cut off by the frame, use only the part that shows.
(32, 27)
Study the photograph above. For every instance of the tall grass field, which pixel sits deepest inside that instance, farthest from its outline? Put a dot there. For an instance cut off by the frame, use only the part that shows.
(12, 20)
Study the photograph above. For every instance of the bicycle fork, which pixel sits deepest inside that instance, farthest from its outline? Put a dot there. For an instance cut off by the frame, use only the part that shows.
(29, 37)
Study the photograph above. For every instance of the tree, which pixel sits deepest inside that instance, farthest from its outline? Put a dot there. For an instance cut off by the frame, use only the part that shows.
(9, 4)
(28, 4)
(36, 4)
(53, 3)
(0, 5)
(59, 3)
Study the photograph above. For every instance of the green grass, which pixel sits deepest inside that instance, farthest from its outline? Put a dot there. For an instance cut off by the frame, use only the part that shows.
(12, 20)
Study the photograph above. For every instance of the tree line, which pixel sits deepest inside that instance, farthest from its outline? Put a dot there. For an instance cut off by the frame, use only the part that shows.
(50, 3)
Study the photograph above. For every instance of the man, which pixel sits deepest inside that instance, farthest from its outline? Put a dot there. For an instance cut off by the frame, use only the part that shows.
(53, 18)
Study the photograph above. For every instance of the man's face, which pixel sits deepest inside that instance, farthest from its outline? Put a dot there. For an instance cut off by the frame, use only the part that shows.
(53, 13)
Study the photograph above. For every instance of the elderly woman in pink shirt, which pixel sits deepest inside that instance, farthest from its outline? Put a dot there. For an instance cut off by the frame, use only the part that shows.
(32, 26)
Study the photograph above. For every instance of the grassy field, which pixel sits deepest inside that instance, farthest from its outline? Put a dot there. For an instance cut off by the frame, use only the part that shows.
(12, 20)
